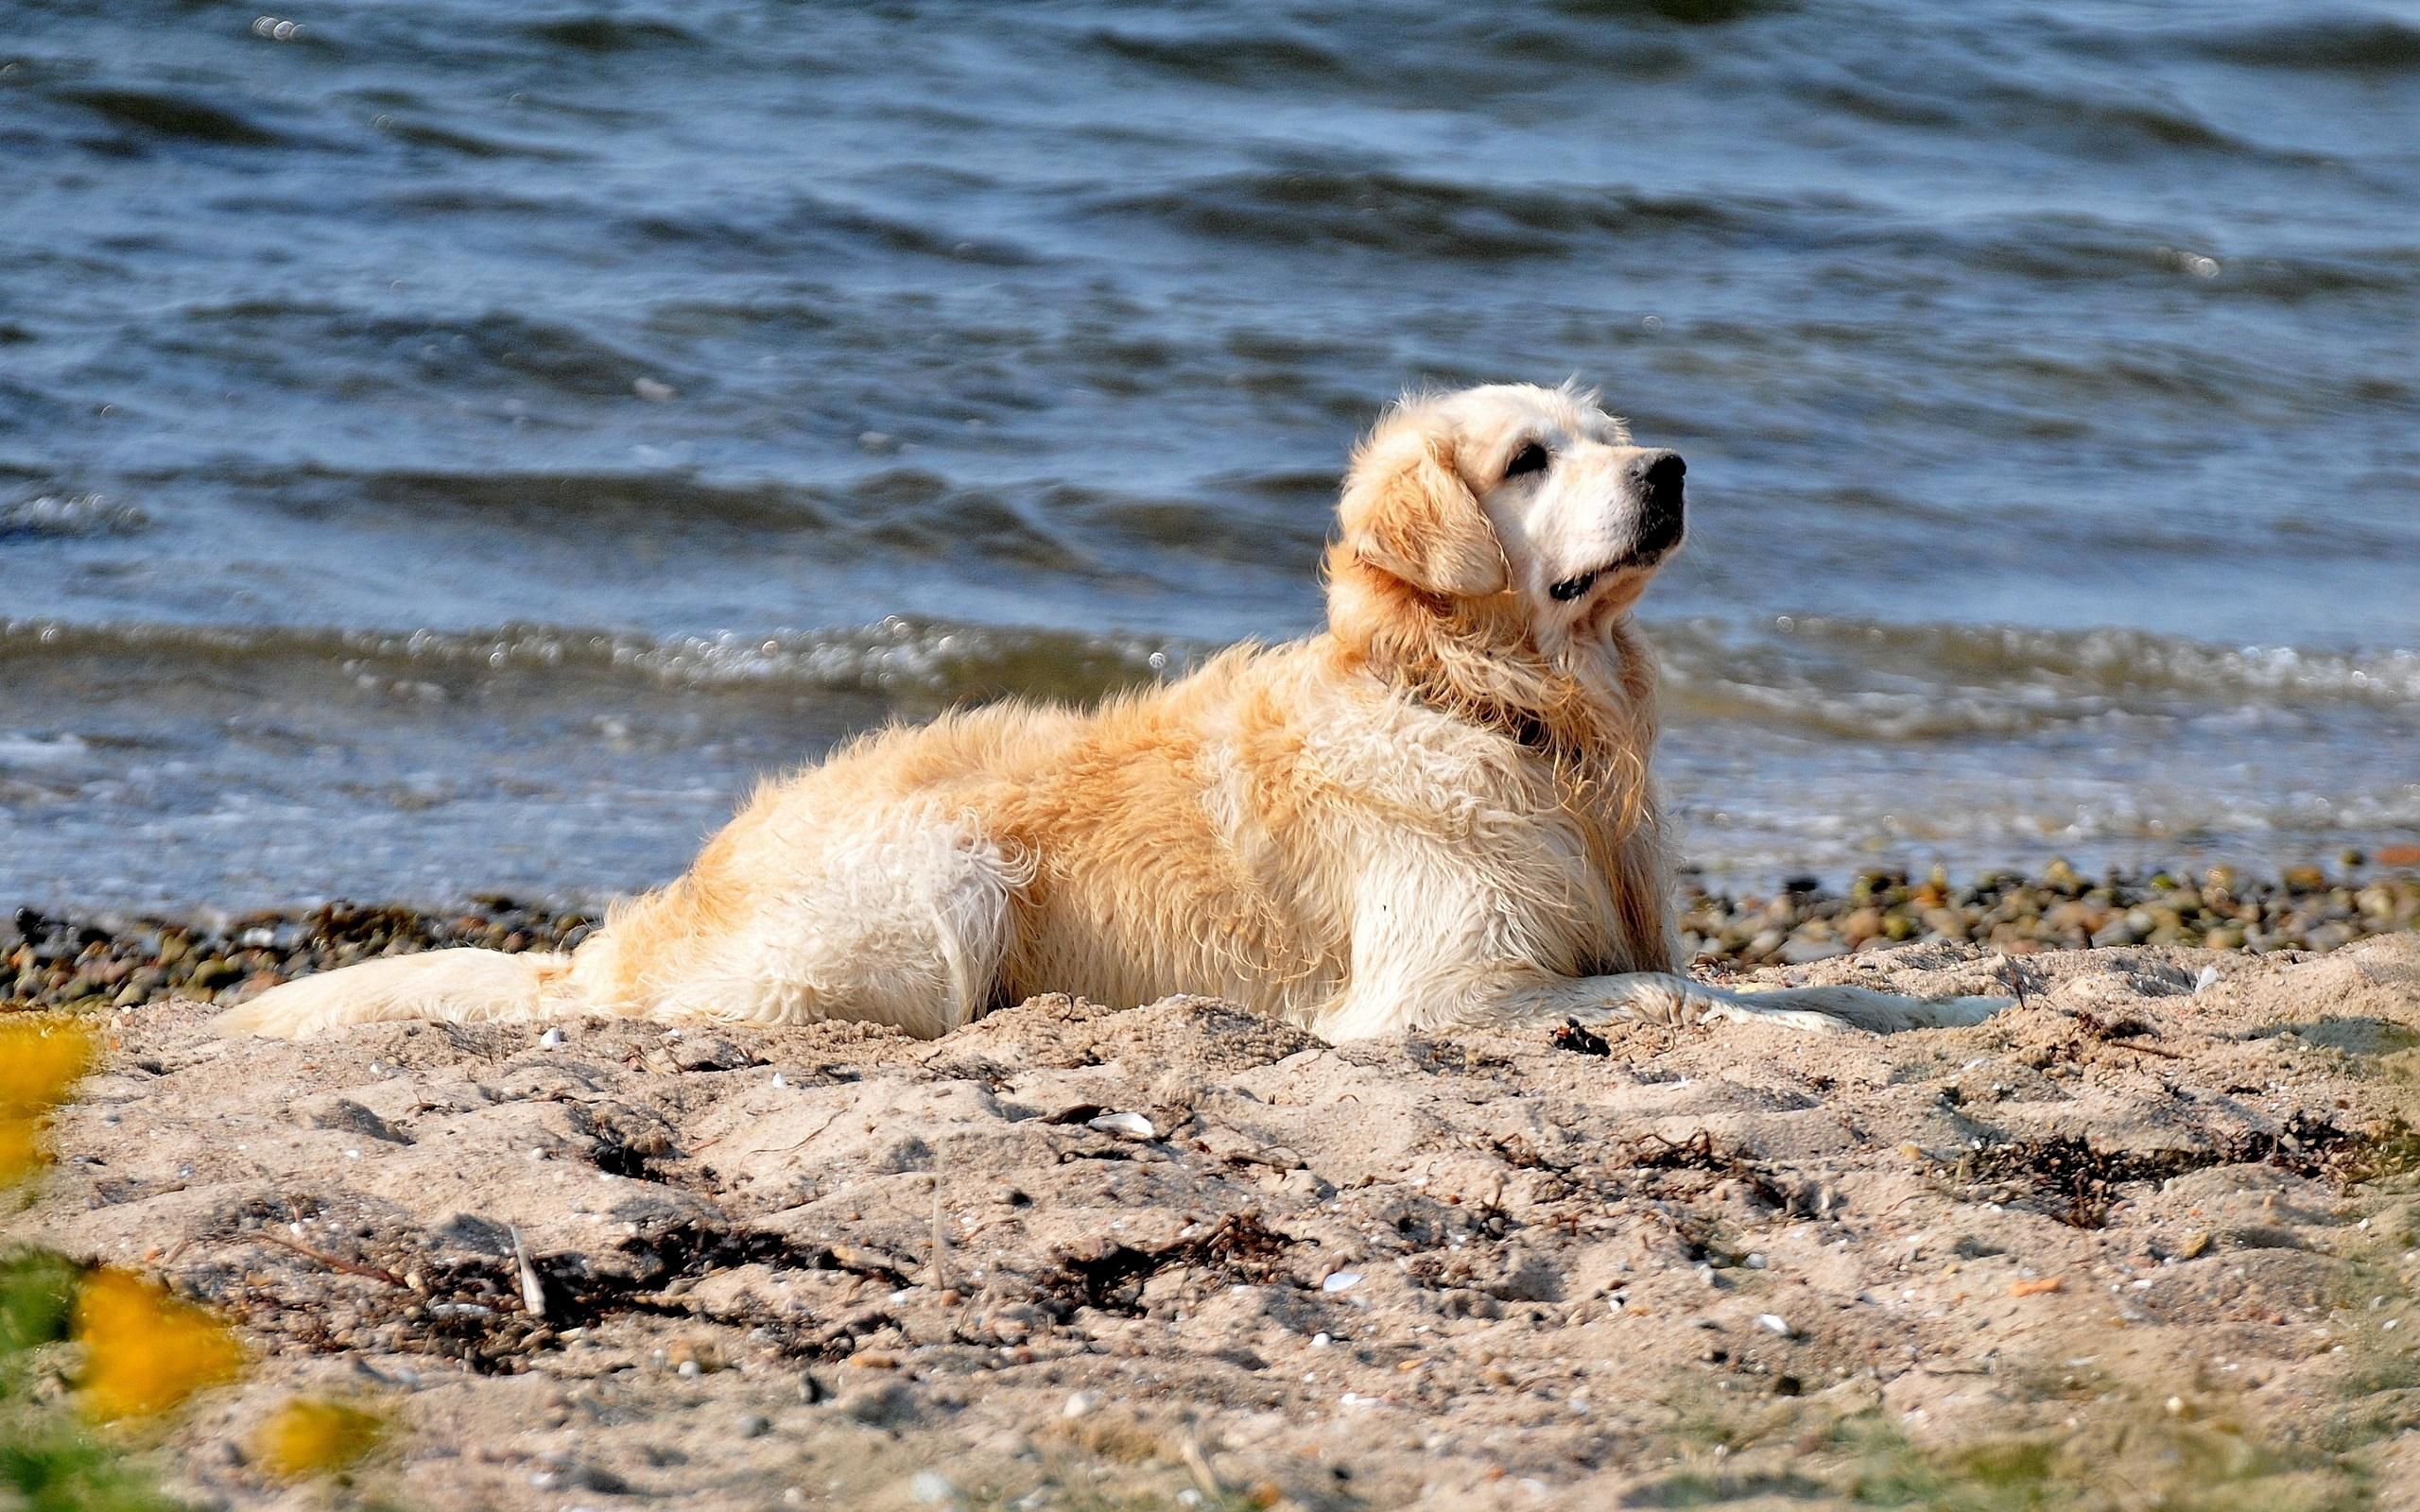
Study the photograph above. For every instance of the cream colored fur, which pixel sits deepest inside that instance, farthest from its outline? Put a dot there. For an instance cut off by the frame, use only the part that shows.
(1436, 813)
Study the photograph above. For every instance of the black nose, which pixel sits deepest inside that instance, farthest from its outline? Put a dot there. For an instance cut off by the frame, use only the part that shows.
(1657, 477)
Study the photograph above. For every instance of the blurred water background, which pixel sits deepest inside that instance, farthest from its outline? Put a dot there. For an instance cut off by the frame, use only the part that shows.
(451, 446)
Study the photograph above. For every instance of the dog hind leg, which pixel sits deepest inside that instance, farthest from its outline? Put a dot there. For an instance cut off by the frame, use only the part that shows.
(453, 987)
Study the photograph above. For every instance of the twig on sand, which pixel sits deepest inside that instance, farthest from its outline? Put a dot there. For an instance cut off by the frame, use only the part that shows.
(941, 1242)
(2147, 1050)
(802, 1142)
(351, 1267)
(1198, 1464)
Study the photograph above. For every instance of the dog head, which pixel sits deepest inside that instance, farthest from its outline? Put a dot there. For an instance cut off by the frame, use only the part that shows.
(1490, 545)
(1509, 492)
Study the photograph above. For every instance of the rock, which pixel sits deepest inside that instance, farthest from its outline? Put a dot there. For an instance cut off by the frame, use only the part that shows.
(344, 1114)
(891, 1404)
(1125, 1126)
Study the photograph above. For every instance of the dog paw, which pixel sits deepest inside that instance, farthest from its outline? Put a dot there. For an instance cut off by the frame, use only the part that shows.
(1958, 1013)
(1800, 1019)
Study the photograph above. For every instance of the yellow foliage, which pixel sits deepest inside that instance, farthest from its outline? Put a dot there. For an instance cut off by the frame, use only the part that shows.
(315, 1437)
(145, 1352)
(21, 1148)
(41, 1055)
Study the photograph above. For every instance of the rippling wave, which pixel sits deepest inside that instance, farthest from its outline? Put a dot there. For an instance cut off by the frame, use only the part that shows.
(1851, 678)
(2042, 369)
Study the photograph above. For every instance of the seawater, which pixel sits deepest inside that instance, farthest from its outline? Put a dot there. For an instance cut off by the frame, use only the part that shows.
(450, 446)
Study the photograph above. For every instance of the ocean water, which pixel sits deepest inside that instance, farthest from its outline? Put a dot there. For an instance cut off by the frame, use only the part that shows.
(452, 446)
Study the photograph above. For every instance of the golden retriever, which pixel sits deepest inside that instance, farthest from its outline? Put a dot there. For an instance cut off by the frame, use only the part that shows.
(1436, 813)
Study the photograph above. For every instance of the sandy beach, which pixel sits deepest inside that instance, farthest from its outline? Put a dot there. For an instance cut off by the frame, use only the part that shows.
(2149, 1235)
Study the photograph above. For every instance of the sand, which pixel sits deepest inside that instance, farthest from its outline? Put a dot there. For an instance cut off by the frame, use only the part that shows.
(2150, 1234)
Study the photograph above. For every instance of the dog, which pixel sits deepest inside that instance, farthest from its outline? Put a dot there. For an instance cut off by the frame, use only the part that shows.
(1437, 813)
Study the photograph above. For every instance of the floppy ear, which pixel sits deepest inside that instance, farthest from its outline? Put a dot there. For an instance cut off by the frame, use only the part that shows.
(1407, 512)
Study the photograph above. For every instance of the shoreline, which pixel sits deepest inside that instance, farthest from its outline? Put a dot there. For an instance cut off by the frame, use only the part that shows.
(104, 958)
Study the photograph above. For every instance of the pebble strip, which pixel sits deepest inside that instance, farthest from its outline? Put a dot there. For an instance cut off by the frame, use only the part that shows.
(96, 960)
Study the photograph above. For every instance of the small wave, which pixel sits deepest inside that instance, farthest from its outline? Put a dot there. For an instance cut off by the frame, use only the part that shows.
(2335, 43)
(1684, 12)
(1974, 101)
(1423, 216)
(610, 34)
(1251, 59)
(159, 112)
(807, 227)
(548, 500)
(924, 515)
(1859, 678)
(466, 143)
(501, 348)
(893, 513)
(2130, 659)
(926, 660)
(81, 514)
(1197, 529)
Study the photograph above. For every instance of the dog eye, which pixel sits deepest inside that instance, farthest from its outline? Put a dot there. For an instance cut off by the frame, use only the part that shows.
(1530, 459)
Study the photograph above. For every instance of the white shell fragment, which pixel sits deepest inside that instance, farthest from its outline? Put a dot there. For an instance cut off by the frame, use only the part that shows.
(533, 1293)
(1342, 1280)
(551, 1039)
(1126, 1126)
(1774, 1323)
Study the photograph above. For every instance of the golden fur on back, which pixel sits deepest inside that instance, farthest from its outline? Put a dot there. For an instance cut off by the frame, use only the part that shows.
(1436, 813)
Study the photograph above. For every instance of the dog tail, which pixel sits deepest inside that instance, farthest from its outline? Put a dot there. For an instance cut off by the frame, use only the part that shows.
(452, 987)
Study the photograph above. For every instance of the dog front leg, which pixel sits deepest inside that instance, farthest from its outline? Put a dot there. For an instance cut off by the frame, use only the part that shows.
(1657, 997)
